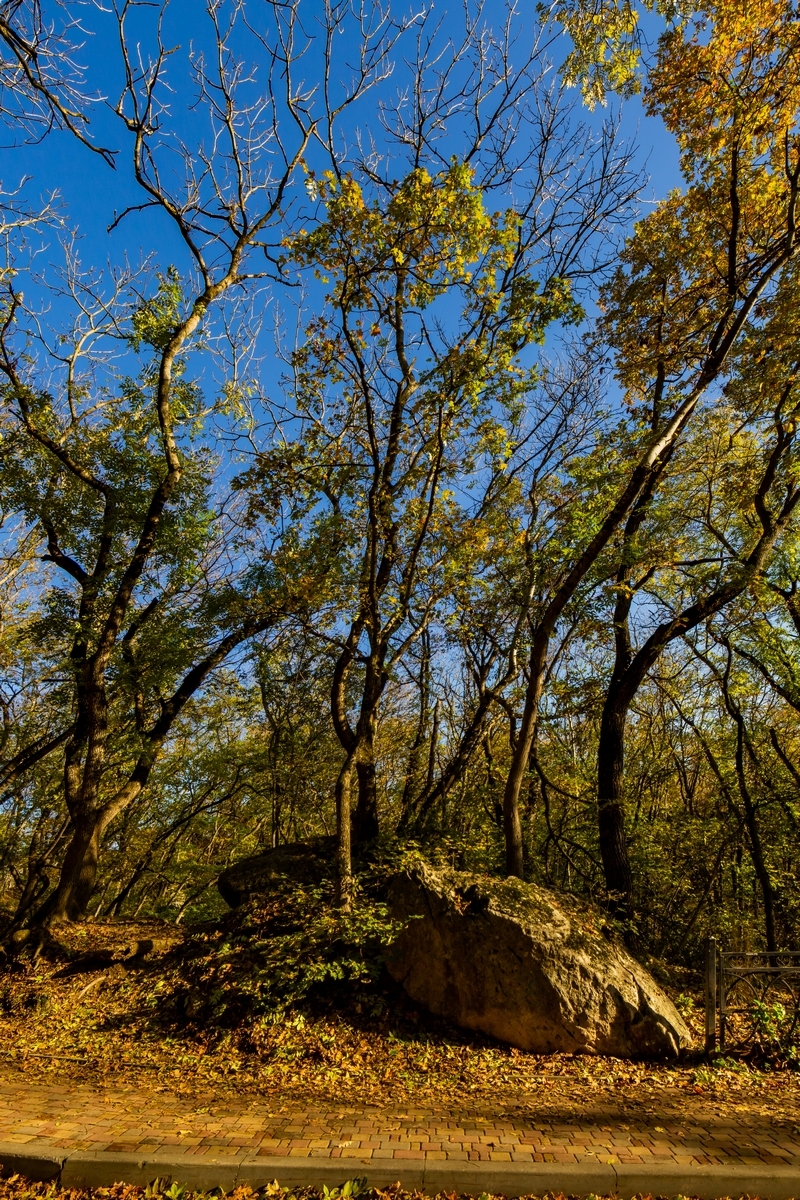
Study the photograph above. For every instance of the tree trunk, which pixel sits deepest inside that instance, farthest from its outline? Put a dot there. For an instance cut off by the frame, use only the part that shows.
(416, 817)
(521, 756)
(415, 752)
(344, 863)
(358, 746)
(753, 833)
(619, 696)
(365, 818)
(70, 899)
(611, 806)
(36, 884)
(512, 825)
(764, 879)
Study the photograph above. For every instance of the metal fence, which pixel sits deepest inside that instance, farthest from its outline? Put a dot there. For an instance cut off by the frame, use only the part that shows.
(752, 1000)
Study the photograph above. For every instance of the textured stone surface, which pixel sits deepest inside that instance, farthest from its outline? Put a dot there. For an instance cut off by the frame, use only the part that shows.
(526, 966)
(307, 862)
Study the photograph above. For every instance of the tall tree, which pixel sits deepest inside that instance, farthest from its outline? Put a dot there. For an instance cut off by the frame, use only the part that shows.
(113, 473)
(695, 273)
(388, 438)
(745, 525)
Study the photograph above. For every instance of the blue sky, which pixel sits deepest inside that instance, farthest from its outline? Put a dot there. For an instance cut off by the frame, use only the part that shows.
(92, 193)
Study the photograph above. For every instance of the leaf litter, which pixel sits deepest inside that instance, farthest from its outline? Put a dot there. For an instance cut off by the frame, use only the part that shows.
(108, 1012)
(16, 1187)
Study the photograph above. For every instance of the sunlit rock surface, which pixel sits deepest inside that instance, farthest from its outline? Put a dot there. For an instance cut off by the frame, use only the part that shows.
(526, 966)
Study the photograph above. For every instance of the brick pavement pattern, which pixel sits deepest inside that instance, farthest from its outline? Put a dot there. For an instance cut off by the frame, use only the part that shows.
(65, 1117)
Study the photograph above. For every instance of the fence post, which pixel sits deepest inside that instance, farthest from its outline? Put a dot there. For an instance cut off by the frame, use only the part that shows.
(711, 995)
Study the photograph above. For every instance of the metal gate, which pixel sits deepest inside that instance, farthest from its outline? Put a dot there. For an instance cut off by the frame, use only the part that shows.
(752, 1000)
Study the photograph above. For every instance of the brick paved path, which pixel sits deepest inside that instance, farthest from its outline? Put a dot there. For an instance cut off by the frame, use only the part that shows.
(79, 1117)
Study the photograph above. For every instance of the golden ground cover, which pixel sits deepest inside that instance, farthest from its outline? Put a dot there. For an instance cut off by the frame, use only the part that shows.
(104, 1014)
(18, 1188)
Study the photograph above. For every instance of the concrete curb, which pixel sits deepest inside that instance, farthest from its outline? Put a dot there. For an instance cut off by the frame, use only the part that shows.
(80, 1168)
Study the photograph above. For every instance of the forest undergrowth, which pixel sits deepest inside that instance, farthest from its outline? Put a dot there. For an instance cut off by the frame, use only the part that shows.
(159, 1007)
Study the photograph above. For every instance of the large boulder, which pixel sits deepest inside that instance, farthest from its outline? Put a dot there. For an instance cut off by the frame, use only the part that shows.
(303, 862)
(530, 968)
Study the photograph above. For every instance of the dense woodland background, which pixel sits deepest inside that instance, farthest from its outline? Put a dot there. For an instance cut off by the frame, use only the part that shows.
(430, 487)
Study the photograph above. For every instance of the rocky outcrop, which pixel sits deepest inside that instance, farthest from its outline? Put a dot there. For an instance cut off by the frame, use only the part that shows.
(305, 862)
(526, 966)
